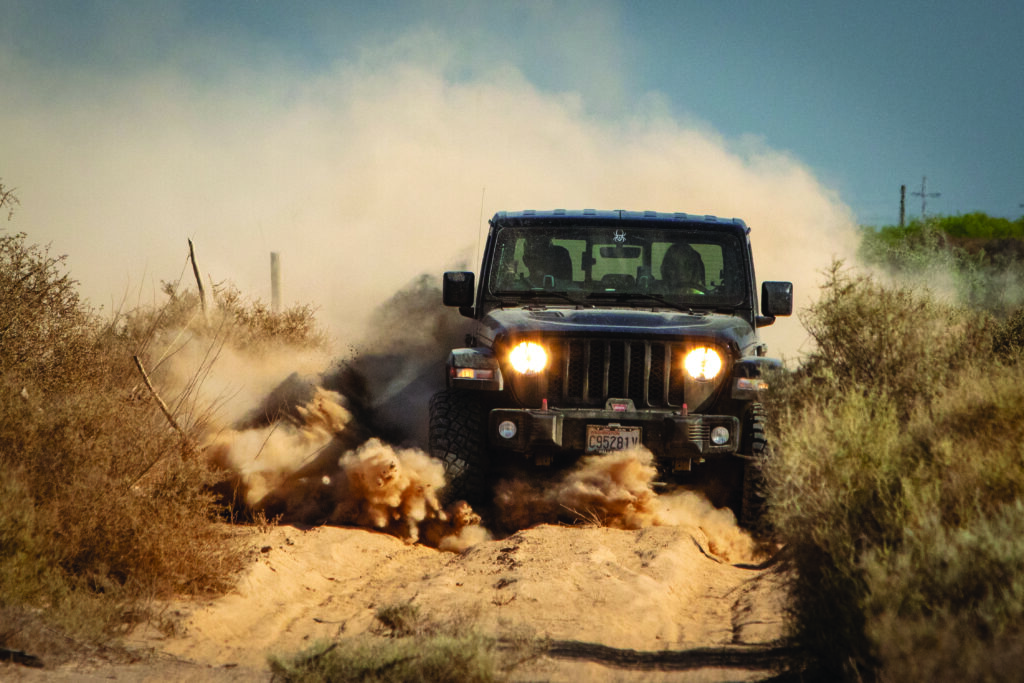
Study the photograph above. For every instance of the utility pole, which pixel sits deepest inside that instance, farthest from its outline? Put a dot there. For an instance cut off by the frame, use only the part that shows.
(903, 204)
(924, 196)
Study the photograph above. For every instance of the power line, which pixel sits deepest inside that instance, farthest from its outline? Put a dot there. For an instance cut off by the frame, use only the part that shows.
(924, 196)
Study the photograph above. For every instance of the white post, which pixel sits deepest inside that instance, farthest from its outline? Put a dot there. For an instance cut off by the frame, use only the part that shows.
(275, 281)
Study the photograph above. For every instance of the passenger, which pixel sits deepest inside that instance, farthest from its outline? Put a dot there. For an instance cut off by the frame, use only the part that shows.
(682, 270)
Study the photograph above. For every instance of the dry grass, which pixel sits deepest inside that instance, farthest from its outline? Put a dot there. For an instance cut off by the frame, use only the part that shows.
(103, 507)
(898, 487)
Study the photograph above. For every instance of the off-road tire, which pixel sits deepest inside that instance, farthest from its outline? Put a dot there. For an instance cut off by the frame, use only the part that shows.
(457, 437)
(755, 445)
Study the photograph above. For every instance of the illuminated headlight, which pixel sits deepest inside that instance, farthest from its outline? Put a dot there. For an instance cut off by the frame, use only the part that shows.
(703, 364)
(528, 358)
(719, 436)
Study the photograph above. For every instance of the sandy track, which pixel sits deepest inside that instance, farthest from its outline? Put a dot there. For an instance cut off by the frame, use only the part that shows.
(651, 604)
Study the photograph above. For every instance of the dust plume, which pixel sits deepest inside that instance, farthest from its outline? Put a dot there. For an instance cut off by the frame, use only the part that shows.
(308, 446)
(364, 172)
(396, 490)
(399, 362)
(310, 465)
(616, 491)
(282, 466)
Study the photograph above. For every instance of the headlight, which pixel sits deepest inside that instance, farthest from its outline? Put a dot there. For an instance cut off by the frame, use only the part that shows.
(528, 358)
(703, 364)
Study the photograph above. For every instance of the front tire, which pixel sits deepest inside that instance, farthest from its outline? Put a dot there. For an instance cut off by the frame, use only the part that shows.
(755, 490)
(457, 437)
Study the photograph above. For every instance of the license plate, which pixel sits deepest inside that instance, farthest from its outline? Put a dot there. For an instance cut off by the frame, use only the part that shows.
(602, 439)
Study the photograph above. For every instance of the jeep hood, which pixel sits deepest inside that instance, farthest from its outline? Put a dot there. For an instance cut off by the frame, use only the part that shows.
(559, 321)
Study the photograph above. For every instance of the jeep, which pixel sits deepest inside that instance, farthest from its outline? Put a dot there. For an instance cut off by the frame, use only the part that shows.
(598, 331)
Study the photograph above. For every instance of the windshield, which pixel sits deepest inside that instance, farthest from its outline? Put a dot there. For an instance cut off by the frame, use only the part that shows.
(680, 266)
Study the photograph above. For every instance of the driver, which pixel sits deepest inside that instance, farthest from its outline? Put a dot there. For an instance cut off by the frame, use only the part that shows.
(682, 270)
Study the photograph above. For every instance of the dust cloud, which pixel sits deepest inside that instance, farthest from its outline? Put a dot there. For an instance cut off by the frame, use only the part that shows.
(617, 491)
(363, 172)
(399, 362)
(308, 466)
(307, 439)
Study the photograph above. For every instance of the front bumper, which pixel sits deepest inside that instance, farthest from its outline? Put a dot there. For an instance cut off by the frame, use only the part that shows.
(669, 435)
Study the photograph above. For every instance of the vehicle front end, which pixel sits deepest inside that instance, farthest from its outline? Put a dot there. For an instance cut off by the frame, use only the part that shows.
(583, 382)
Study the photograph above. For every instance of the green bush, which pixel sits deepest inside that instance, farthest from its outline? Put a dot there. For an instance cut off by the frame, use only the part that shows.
(979, 225)
(968, 226)
(974, 259)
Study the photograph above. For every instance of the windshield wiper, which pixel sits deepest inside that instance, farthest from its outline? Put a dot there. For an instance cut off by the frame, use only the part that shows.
(538, 294)
(623, 296)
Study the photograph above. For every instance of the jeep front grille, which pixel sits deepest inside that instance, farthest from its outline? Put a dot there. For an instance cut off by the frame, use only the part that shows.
(586, 372)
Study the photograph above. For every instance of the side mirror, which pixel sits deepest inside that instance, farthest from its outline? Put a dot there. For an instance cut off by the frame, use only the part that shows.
(776, 298)
(458, 288)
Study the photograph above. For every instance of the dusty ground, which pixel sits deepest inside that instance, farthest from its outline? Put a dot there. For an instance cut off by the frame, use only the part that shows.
(651, 604)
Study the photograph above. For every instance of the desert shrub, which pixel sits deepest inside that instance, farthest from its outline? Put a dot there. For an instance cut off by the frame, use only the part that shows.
(399, 619)
(469, 658)
(948, 606)
(1008, 338)
(251, 323)
(231, 319)
(45, 331)
(102, 506)
(897, 487)
(101, 502)
(8, 199)
(892, 341)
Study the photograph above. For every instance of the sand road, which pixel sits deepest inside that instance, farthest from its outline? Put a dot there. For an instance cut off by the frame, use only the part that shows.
(647, 605)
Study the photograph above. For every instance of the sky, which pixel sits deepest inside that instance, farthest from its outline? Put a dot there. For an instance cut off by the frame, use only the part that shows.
(368, 142)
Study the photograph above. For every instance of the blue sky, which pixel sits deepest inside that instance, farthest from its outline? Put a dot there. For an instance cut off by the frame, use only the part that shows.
(127, 125)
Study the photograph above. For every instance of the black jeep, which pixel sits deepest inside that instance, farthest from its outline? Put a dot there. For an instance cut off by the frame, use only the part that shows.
(597, 331)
